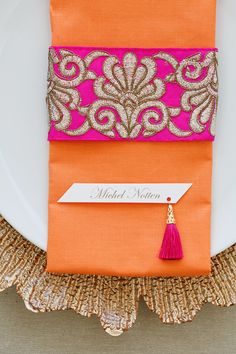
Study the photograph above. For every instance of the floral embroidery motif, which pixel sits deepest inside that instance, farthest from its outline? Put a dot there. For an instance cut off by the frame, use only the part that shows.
(200, 97)
(129, 94)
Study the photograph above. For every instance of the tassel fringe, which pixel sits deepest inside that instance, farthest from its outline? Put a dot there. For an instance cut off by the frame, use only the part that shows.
(171, 247)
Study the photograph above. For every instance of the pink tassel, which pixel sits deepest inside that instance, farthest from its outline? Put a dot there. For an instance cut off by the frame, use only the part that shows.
(171, 247)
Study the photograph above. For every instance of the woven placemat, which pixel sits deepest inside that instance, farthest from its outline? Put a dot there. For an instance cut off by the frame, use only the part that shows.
(113, 299)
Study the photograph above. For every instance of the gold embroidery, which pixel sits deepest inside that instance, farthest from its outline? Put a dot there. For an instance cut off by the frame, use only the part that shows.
(129, 94)
(62, 97)
(200, 97)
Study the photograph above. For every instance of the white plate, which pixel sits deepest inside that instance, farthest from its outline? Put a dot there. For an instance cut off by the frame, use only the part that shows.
(24, 40)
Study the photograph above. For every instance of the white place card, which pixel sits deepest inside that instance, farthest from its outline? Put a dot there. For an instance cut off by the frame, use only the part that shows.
(125, 193)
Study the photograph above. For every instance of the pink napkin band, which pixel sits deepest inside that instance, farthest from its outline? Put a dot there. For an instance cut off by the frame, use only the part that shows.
(132, 94)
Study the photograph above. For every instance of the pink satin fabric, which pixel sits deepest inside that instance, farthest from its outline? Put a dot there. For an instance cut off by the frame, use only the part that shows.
(171, 98)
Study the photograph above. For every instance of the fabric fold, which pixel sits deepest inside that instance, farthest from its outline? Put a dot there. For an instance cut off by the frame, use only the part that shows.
(122, 239)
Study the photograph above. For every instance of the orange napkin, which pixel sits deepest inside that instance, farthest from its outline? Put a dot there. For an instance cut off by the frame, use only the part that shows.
(118, 239)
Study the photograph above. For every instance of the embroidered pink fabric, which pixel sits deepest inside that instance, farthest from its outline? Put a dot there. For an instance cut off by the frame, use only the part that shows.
(132, 94)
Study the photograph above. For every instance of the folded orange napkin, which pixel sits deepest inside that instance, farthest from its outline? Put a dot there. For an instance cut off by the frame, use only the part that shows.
(122, 239)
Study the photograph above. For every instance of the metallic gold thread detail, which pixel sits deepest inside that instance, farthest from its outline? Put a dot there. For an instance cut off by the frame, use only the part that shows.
(200, 97)
(130, 94)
